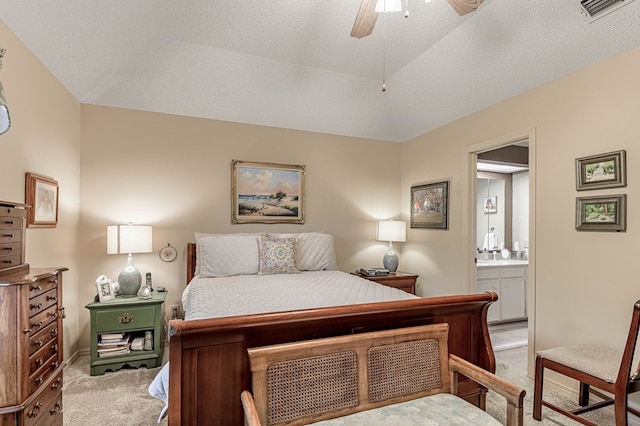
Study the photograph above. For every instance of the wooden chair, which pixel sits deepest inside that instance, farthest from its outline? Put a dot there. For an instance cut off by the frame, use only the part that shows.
(593, 365)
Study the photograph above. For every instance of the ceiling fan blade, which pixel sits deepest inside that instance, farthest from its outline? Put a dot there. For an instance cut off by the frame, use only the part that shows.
(465, 6)
(365, 20)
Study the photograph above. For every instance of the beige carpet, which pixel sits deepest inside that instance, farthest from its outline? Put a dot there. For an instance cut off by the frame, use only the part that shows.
(113, 399)
(121, 398)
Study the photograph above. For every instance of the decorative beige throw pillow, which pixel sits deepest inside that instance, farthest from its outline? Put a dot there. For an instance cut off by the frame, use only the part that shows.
(278, 255)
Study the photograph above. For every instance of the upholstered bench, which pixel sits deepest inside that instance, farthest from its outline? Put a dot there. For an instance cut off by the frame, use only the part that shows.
(393, 377)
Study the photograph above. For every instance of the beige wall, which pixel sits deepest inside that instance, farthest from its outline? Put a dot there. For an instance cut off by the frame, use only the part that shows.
(174, 173)
(586, 282)
(44, 138)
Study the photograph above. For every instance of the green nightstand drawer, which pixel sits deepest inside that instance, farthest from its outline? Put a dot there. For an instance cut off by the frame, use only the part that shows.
(125, 318)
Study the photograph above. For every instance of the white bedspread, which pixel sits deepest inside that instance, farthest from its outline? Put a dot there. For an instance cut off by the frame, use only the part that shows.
(253, 294)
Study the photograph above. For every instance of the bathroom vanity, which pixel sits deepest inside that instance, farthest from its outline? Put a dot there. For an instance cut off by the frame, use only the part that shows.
(508, 278)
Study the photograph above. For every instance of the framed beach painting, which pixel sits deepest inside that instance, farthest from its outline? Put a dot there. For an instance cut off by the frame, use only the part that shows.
(267, 192)
(41, 194)
(601, 171)
(606, 213)
(430, 205)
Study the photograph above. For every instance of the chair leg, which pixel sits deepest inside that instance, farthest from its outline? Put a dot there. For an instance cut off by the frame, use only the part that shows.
(620, 408)
(583, 397)
(537, 390)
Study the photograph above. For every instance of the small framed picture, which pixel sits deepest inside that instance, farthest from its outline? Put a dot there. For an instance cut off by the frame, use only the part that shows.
(41, 194)
(430, 205)
(105, 290)
(490, 204)
(601, 171)
(606, 213)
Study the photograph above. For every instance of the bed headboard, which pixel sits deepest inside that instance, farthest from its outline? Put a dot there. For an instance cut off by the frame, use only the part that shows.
(191, 261)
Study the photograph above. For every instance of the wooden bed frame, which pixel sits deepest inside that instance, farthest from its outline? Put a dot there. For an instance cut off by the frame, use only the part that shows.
(209, 364)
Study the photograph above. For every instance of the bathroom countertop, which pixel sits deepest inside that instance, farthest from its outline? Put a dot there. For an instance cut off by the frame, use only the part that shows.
(501, 262)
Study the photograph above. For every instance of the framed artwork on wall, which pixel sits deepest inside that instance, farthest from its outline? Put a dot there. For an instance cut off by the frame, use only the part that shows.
(490, 204)
(267, 192)
(601, 171)
(606, 213)
(41, 194)
(430, 205)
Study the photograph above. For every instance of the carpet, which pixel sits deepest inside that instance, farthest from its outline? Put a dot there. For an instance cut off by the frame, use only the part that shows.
(113, 399)
(121, 398)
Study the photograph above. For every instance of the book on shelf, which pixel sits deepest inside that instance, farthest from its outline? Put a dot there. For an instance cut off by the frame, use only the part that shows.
(113, 342)
(112, 336)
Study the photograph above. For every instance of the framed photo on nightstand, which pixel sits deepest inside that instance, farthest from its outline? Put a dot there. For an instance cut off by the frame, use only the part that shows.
(105, 289)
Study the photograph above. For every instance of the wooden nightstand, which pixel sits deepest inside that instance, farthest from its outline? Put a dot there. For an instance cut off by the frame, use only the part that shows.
(400, 280)
(132, 315)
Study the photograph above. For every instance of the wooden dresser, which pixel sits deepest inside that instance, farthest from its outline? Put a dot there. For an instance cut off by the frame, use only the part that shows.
(31, 313)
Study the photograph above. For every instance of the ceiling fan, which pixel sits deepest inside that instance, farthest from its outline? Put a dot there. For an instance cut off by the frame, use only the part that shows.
(367, 15)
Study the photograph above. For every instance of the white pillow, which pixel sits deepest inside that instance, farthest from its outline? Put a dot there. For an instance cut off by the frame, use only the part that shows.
(226, 255)
(316, 251)
(199, 235)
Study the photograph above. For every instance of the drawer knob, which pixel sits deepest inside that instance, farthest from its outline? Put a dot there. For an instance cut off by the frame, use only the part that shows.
(34, 412)
(53, 281)
(8, 261)
(125, 318)
(39, 381)
(37, 325)
(64, 315)
(54, 332)
(54, 298)
(55, 385)
(8, 249)
(39, 362)
(36, 288)
(8, 235)
(53, 315)
(26, 330)
(55, 365)
(10, 222)
(36, 306)
(55, 409)
(38, 343)
(54, 348)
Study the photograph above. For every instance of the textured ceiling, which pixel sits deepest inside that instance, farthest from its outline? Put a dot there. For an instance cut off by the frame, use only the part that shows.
(292, 63)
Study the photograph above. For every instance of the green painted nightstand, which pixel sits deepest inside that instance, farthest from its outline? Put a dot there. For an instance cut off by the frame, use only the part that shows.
(132, 315)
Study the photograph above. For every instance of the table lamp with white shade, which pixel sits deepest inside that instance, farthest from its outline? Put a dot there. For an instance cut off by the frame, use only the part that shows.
(391, 231)
(129, 239)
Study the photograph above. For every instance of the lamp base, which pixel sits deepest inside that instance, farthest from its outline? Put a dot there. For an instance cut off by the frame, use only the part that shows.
(390, 260)
(129, 279)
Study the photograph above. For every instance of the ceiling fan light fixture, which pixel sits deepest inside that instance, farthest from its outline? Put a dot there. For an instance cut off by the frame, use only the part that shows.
(388, 6)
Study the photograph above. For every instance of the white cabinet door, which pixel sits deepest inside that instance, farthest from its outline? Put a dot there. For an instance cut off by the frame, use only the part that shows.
(513, 298)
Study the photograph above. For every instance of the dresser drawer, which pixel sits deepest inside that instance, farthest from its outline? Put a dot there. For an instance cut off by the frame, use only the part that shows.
(11, 218)
(40, 339)
(43, 319)
(516, 271)
(125, 319)
(43, 373)
(39, 409)
(10, 235)
(10, 260)
(38, 359)
(42, 302)
(42, 286)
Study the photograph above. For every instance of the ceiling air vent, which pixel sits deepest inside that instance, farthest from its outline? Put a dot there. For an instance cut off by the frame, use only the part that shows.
(597, 8)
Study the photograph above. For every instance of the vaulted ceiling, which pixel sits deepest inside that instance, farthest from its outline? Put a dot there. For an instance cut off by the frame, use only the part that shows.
(292, 63)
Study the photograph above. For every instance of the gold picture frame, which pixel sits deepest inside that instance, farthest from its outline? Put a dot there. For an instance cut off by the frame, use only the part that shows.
(267, 192)
(41, 194)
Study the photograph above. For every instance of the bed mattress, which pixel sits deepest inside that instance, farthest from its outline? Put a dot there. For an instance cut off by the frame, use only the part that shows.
(253, 294)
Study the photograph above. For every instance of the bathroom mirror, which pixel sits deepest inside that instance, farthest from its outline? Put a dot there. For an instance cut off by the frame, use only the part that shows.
(492, 210)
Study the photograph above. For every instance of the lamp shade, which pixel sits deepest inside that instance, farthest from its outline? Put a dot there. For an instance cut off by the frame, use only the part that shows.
(392, 230)
(129, 239)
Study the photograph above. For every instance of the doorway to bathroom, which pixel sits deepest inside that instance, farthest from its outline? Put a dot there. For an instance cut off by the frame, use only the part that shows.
(501, 177)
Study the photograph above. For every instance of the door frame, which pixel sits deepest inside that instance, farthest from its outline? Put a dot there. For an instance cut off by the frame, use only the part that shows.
(470, 222)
